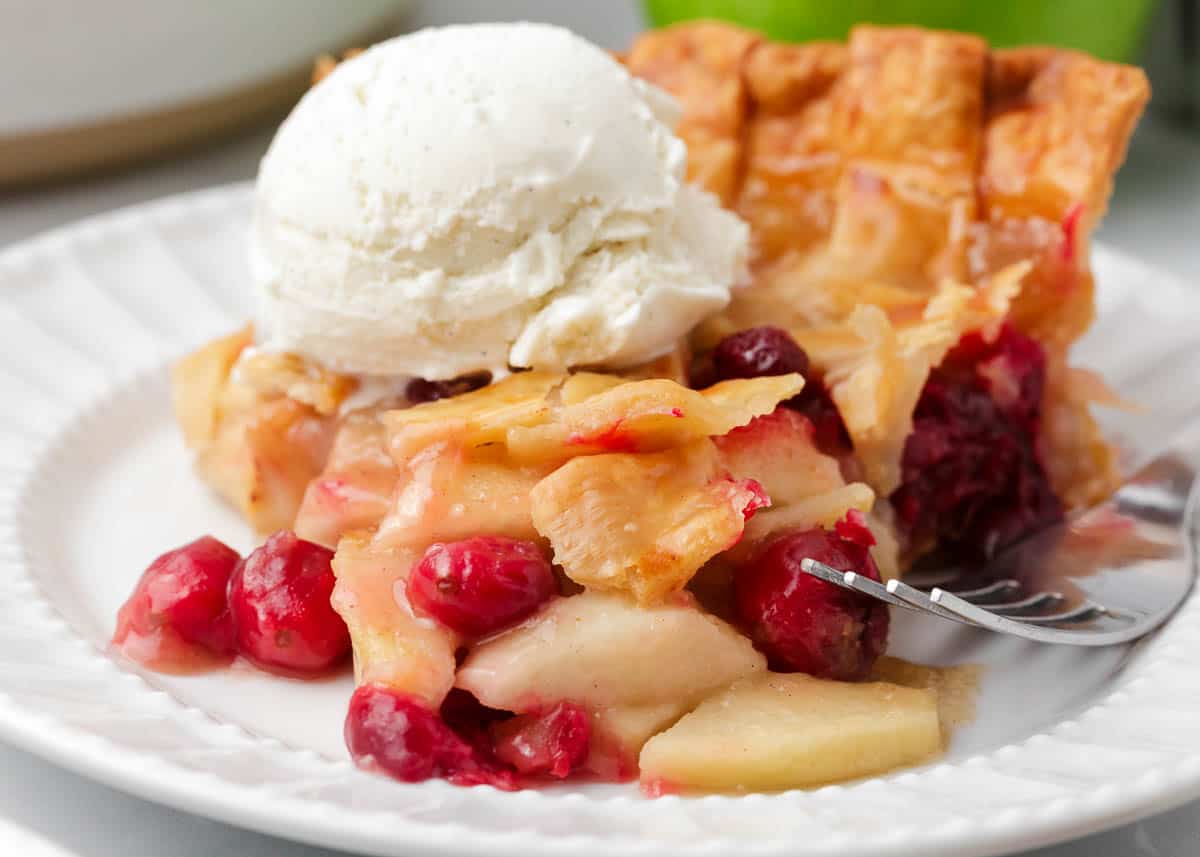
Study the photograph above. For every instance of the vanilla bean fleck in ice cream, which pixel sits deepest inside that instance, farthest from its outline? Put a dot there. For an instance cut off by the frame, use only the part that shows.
(477, 197)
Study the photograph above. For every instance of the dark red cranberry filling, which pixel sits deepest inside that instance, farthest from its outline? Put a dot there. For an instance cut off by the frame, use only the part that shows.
(762, 351)
(972, 478)
(803, 624)
(419, 390)
(282, 616)
(480, 585)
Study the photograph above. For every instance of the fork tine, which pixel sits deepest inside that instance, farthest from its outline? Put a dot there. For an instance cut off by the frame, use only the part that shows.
(922, 601)
(874, 588)
(1032, 627)
(997, 590)
(850, 580)
(1041, 630)
(929, 579)
(1025, 606)
(1083, 613)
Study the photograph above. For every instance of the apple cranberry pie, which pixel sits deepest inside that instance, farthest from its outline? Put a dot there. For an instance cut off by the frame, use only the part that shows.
(569, 573)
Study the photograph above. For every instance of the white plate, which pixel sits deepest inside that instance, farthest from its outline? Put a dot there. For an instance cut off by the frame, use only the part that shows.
(94, 482)
(104, 62)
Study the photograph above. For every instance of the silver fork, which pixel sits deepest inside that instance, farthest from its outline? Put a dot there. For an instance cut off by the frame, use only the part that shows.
(1107, 576)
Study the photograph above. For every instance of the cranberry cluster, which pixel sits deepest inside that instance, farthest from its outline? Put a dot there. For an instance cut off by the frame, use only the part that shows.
(202, 602)
(465, 743)
(973, 481)
(474, 587)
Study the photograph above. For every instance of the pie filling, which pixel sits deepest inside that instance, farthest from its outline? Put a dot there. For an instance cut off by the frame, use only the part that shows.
(597, 574)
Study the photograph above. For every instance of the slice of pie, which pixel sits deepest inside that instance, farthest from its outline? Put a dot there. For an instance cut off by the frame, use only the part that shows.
(541, 574)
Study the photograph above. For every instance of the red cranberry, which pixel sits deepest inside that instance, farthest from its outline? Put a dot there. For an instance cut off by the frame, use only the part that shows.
(482, 584)
(399, 735)
(758, 351)
(554, 742)
(803, 624)
(972, 480)
(279, 597)
(419, 390)
(178, 609)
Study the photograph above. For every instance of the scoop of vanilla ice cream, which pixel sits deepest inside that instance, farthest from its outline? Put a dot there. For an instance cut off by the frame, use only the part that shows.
(477, 197)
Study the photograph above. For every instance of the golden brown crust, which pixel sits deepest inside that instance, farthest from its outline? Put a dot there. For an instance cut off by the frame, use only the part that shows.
(906, 118)
(903, 158)
(920, 139)
(701, 64)
(913, 98)
(782, 77)
(791, 161)
(1057, 127)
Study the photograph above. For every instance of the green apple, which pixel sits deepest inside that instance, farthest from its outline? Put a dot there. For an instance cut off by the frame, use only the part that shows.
(1109, 29)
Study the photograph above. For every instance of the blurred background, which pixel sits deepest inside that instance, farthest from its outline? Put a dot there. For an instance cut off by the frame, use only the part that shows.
(104, 104)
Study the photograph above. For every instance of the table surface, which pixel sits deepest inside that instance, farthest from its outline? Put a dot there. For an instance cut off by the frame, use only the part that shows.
(1155, 214)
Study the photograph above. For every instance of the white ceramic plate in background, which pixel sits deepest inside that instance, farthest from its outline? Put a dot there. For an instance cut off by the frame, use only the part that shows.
(80, 62)
(85, 84)
(94, 482)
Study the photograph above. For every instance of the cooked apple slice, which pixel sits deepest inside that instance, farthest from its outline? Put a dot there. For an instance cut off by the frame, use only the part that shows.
(604, 652)
(262, 457)
(272, 374)
(819, 510)
(806, 487)
(446, 492)
(641, 524)
(481, 416)
(584, 385)
(793, 731)
(392, 647)
(777, 450)
(648, 416)
(257, 449)
(196, 384)
(618, 735)
(492, 497)
(450, 492)
(420, 500)
(354, 489)
(955, 687)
